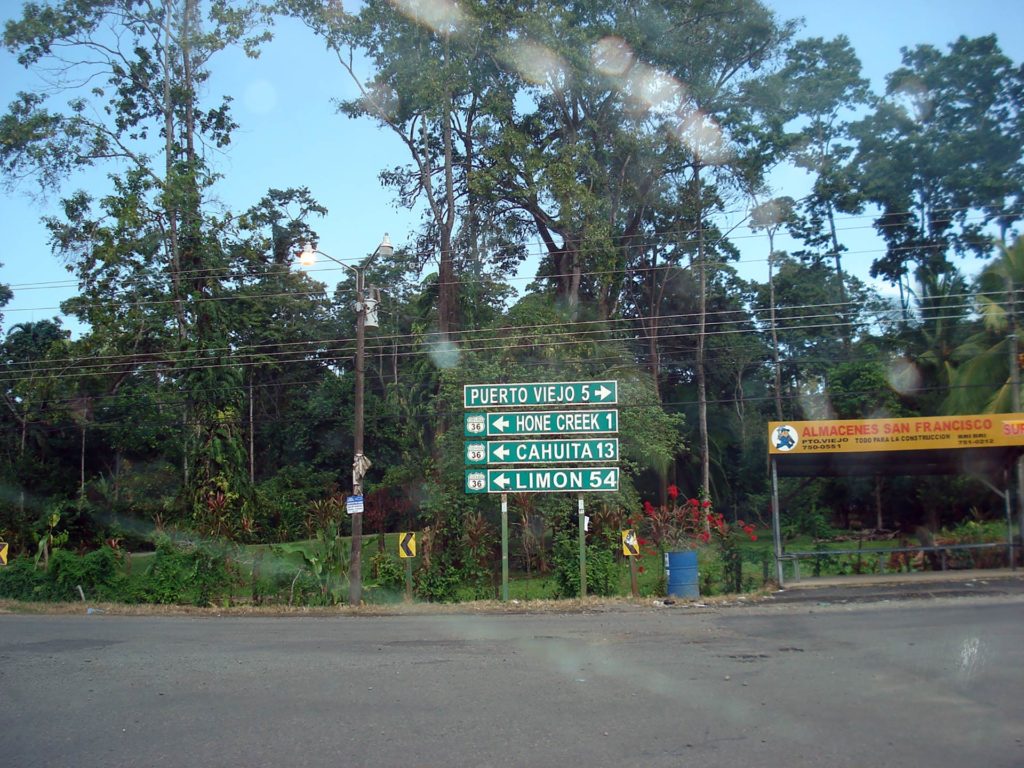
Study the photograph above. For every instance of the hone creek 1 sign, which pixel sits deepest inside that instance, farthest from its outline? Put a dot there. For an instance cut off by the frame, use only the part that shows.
(905, 434)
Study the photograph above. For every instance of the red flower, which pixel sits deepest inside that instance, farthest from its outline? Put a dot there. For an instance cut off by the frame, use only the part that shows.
(640, 569)
(673, 492)
(648, 508)
(705, 537)
(753, 537)
(706, 503)
(692, 502)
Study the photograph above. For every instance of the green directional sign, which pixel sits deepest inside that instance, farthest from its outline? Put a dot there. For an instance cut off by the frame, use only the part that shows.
(548, 480)
(585, 450)
(504, 424)
(540, 394)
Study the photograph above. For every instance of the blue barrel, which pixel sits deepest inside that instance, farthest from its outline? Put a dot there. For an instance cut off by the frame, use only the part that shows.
(682, 574)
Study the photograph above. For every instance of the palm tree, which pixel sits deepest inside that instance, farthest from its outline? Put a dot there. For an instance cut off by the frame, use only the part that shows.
(987, 379)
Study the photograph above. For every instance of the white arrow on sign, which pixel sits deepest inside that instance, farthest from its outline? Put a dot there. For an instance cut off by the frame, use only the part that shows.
(502, 424)
(502, 482)
(502, 452)
(603, 392)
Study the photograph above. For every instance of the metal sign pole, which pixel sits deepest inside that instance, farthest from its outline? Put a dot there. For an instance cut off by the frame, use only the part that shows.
(583, 550)
(504, 547)
(776, 525)
(1009, 519)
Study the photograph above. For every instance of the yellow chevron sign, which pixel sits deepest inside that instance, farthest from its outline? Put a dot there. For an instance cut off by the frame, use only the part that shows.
(407, 545)
(3, 552)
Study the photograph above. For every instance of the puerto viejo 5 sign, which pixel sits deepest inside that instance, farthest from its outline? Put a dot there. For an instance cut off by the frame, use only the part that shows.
(503, 424)
(589, 450)
(560, 480)
(540, 394)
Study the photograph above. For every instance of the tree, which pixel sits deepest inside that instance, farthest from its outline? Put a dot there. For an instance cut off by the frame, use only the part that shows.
(133, 73)
(987, 377)
(819, 84)
(433, 85)
(940, 155)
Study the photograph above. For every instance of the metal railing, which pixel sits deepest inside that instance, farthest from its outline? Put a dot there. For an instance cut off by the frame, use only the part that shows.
(884, 554)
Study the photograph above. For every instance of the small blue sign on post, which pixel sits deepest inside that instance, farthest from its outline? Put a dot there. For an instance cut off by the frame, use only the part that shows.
(354, 505)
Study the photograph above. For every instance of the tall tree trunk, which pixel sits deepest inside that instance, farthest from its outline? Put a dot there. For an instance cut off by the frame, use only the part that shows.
(879, 522)
(447, 308)
(81, 464)
(843, 309)
(252, 437)
(702, 395)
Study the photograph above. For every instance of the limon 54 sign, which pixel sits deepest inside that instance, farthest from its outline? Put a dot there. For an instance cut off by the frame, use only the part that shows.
(575, 480)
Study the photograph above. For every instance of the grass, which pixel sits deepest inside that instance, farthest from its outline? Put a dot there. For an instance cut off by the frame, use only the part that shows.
(278, 565)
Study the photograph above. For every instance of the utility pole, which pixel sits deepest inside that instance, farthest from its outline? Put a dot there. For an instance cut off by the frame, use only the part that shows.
(366, 315)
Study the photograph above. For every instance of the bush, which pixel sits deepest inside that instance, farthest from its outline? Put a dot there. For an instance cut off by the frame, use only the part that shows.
(98, 573)
(386, 569)
(602, 571)
(187, 574)
(23, 580)
(438, 583)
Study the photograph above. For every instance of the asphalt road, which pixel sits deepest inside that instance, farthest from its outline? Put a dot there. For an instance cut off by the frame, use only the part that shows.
(918, 683)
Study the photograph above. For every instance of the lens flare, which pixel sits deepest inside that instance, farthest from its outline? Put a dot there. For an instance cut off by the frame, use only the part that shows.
(443, 353)
(904, 376)
(612, 56)
(538, 64)
(443, 16)
(702, 135)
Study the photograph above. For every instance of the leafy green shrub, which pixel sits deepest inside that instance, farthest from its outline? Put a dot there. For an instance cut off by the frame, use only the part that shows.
(23, 580)
(98, 573)
(186, 574)
(284, 501)
(806, 521)
(439, 582)
(327, 560)
(386, 569)
(602, 571)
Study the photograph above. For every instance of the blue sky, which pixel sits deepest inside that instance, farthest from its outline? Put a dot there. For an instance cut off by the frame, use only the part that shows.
(291, 136)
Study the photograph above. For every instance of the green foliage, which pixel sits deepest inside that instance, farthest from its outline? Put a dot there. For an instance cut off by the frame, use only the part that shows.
(387, 571)
(602, 570)
(285, 498)
(438, 581)
(23, 580)
(187, 573)
(98, 573)
(328, 560)
(805, 521)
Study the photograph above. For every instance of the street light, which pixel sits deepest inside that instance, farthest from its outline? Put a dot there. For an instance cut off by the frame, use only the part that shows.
(366, 315)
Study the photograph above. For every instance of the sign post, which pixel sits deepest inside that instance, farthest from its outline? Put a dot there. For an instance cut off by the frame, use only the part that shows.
(583, 550)
(407, 551)
(504, 547)
(565, 446)
(631, 549)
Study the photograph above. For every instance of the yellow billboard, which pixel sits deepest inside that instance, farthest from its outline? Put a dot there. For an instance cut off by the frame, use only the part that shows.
(906, 434)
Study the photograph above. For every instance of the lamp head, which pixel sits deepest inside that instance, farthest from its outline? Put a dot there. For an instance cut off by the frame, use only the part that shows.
(307, 258)
(385, 248)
